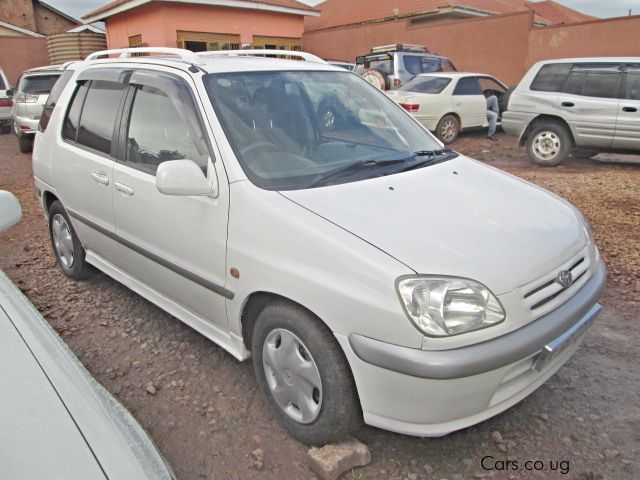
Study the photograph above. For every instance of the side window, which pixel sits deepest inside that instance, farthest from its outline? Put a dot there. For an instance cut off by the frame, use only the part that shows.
(158, 132)
(70, 128)
(575, 82)
(99, 115)
(551, 77)
(468, 86)
(594, 80)
(56, 91)
(487, 83)
(631, 89)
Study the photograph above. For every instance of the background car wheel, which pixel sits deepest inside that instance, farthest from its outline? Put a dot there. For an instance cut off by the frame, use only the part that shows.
(448, 129)
(26, 143)
(303, 374)
(4, 129)
(548, 144)
(66, 245)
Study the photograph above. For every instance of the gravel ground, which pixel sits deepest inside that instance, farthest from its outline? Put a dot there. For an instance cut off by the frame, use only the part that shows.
(203, 409)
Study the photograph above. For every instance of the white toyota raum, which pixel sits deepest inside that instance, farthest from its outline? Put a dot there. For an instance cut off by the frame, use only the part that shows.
(369, 272)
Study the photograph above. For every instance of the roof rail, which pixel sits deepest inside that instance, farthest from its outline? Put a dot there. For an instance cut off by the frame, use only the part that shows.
(185, 55)
(309, 57)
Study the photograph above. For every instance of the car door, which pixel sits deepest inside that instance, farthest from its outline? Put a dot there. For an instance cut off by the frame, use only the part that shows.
(83, 160)
(176, 245)
(490, 86)
(627, 134)
(469, 102)
(589, 102)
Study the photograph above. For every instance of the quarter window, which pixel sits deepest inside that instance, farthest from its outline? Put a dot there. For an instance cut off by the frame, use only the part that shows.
(157, 133)
(632, 83)
(98, 116)
(70, 128)
(551, 77)
(468, 86)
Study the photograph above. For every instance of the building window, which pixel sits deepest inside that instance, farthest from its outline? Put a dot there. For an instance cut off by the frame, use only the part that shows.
(135, 41)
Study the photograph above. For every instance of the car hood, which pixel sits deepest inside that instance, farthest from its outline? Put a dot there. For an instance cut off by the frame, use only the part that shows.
(459, 218)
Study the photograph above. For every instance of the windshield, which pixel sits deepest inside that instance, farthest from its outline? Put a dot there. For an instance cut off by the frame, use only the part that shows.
(416, 64)
(424, 84)
(38, 85)
(289, 129)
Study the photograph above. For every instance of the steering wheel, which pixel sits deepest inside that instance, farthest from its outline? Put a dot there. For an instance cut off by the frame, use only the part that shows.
(259, 144)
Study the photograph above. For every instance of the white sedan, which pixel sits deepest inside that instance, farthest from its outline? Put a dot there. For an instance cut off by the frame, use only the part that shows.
(446, 103)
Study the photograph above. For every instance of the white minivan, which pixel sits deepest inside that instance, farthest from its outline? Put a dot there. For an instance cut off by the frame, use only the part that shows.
(369, 272)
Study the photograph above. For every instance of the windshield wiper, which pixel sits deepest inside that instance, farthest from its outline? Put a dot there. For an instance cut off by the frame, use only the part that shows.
(431, 156)
(354, 167)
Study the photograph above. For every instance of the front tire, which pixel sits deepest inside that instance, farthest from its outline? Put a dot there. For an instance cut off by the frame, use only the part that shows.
(66, 245)
(448, 129)
(303, 374)
(26, 143)
(548, 144)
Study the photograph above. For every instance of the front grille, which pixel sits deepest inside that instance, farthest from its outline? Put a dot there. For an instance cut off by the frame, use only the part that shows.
(549, 289)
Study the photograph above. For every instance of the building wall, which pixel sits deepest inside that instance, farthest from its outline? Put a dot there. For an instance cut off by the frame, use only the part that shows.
(20, 53)
(50, 23)
(158, 24)
(504, 46)
(19, 13)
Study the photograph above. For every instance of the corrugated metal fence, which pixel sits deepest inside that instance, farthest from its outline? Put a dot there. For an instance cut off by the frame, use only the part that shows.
(74, 46)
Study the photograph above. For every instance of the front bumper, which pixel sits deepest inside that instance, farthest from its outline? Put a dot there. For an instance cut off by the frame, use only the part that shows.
(432, 393)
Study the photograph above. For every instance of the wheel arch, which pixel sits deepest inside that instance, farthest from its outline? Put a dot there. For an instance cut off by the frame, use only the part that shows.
(543, 118)
(47, 200)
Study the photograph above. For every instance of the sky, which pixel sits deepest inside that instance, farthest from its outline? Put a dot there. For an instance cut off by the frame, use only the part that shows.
(599, 8)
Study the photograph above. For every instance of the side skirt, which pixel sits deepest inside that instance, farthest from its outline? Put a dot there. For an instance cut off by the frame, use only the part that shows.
(230, 342)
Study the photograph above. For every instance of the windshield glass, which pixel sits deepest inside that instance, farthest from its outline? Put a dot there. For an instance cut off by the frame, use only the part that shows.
(422, 84)
(416, 64)
(38, 85)
(288, 129)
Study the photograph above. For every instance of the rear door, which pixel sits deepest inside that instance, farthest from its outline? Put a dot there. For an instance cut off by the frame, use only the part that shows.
(83, 160)
(627, 134)
(469, 102)
(176, 244)
(589, 102)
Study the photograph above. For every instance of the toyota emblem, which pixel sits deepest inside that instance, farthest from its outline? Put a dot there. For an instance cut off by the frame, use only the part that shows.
(564, 278)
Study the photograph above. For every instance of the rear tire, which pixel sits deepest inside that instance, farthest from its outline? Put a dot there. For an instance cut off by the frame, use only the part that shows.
(66, 245)
(448, 129)
(297, 359)
(548, 144)
(26, 143)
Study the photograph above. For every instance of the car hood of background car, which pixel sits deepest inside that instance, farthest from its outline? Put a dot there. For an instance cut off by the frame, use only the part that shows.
(458, 218)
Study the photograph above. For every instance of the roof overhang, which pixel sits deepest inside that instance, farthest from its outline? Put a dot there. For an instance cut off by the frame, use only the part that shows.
(101, 16)
(23, 31)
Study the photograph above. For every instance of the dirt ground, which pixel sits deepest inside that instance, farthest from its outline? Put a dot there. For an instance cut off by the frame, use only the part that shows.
(203, 409)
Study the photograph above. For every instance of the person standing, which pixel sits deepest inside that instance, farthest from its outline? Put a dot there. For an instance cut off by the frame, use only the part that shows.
(493, 112)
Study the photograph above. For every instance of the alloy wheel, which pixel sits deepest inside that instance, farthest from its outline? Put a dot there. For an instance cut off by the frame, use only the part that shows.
(62, 240)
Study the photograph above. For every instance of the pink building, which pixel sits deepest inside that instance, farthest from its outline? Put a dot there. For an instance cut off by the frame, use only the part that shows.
(200, 25)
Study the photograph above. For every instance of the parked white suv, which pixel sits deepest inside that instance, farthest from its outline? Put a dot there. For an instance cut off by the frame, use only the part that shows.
(586, 103)
(368, 271)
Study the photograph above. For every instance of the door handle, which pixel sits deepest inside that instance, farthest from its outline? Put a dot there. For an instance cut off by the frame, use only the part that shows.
(568, 104)
(121, 187)
(629, 109)
(101, 178)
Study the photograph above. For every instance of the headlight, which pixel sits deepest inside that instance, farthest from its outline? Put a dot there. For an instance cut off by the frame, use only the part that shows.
(445, 306)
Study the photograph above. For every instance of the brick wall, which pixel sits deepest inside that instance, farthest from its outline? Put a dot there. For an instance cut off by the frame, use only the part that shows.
(19, 13)
(50, 23)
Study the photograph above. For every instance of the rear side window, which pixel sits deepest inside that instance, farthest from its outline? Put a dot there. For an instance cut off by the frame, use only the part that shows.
(71, 121)
(2, 85)
(39, 84)
(631, 88)
(550, 78)
(158, 132)
(468, 86)
(98, 116)
(595, 80)
(56, 91)
(425, 85)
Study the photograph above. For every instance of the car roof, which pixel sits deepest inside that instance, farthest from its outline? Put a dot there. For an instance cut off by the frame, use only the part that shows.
(454, 75)
(591, 59)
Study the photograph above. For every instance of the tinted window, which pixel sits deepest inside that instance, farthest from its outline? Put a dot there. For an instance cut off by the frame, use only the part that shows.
(99, 115)
(2, 85)
(415, 64)
(575, 83)
(551, 77)
(468, 86)
(56, 91)
(383, 65)
(38, 85)
(70, 128)
(157, 132)
(594, 80)
(425, 84)
(490, 84)
(631, 89)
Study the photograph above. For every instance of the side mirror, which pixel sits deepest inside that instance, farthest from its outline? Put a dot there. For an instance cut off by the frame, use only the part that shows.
(184, 178)
(10, 211)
